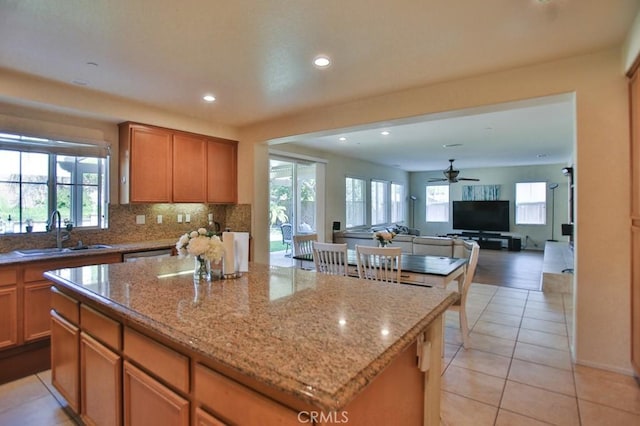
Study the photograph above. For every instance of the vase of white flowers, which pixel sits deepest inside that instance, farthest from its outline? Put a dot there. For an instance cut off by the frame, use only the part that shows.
(205, 247)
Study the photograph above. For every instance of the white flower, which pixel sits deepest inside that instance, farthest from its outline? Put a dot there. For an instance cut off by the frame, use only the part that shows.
(201, 243)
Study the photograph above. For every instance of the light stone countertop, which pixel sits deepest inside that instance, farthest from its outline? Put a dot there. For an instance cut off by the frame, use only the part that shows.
(316, 337)
(13, 257)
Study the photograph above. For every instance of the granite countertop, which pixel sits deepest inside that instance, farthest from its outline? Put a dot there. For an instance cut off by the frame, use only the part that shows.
(317, 337)
(13, 257)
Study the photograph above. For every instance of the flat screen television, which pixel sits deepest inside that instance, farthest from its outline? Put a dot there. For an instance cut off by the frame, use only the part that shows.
(481, 215)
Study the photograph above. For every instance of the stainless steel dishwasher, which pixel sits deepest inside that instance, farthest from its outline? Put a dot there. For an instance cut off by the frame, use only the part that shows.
(157, 253)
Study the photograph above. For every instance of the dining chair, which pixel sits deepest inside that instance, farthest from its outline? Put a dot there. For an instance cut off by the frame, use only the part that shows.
(330, 258)
(472, 250)
(379, 263)
(302, 244)
(287, 233)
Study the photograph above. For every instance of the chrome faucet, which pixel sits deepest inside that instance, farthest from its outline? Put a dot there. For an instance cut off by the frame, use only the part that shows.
(51, 224)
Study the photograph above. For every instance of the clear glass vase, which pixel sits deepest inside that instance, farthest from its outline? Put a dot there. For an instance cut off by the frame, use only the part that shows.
(202, 269)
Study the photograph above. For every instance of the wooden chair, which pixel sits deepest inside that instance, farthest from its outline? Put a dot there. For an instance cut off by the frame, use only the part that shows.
(472, 249)
(330, 258)
(379, 263)
(287, 233)
(303, 244)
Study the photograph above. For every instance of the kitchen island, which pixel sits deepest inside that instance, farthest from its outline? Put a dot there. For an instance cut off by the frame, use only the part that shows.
(142, 343)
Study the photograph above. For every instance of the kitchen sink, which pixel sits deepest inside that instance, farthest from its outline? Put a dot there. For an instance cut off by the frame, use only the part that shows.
(55, 250)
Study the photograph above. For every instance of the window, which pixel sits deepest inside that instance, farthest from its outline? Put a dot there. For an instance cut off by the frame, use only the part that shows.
(437, 203)
(355, 202)
(531, 203)
(379, 202)
(397, 202)
(38, 176)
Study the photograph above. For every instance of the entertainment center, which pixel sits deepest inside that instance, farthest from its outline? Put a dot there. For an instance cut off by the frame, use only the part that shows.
(479, 220)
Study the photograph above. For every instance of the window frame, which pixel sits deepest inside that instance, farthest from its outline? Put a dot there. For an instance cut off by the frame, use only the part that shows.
(382, 207)
(362, 203)
(427, 204)
(542, 205)
(397, 206)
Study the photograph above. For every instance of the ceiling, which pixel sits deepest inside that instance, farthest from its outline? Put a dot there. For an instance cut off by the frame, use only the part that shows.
(256, 58)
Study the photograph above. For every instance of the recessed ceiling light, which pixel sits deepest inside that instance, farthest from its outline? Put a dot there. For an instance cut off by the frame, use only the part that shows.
(342, 139)
(92, 64)
(209, 98)
(384, 133)
(322, 61)
(542, 155)
(80, 82)
(451, 145)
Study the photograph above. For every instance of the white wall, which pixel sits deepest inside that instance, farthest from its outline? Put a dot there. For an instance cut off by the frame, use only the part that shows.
(506, 177)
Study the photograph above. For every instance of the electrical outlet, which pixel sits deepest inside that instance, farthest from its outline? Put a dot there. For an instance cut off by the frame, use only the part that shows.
(159, 219)
(210, 217)
(140, 219)
(187, 218)
(179, 218)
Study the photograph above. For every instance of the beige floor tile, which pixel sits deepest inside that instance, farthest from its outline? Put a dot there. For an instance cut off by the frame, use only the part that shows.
(452, 336)
(546, 326)
(593, 414)
(540, 296)
(547, 340)
(607, 388)
(471, 384)
(546, 306)
(450, 351)
(541, 355)
(512, 292)
(479, 299)
(482, 362)
(495, 345)
(505, 309)
(543, 315)
(496, 330)
(509, 301)
(540, 404)
(483, 288)
(21, 391)
(549, 378)
(456, 410)
(507, 418)
(497, 317)
(42, 411)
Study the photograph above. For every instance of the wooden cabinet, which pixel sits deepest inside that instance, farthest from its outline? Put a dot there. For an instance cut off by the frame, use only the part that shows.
(100, 383)
(205, 419)
(190, 174)
(8, 316)
(146, 164)
(634, 97)
(37, 302)
(159, 165)
(222, 171)
(149, 402)
(65, 359)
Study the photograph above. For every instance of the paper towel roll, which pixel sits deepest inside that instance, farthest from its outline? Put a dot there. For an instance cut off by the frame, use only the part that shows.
(228, 242)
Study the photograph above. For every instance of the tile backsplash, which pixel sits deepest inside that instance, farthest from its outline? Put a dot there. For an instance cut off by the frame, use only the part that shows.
(123, 226)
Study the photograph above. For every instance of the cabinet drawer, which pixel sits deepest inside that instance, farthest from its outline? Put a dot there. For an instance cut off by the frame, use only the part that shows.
(100, 327)
(65, 306)
(8, 276)
(160, 360)
(236, 403)
(408, 277)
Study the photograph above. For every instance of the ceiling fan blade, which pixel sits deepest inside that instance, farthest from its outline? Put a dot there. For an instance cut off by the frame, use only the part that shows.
(473, 179)
(438, 180)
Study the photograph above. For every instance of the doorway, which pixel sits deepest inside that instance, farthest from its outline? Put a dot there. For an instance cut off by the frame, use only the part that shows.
(292, 200)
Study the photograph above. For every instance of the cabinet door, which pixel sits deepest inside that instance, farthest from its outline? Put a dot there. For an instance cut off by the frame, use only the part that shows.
(190, 168)
(635, 297)
(37, 304)
(150, 165)
(222, 171)
(8, 316)
(100, 383)
(149, 402)
(205, 419)
(65, 359)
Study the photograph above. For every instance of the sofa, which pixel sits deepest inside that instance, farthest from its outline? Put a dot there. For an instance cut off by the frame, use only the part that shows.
(410, 244)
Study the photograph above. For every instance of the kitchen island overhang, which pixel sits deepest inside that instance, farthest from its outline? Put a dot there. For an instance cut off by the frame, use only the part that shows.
(309, 341)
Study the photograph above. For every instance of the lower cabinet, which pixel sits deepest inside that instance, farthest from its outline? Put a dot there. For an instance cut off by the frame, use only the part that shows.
(65, 359)
(149, 402)
(100, 383)
(8, 316)
(37, 302)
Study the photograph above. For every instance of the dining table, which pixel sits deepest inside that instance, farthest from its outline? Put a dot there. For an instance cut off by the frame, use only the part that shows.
(415, 269)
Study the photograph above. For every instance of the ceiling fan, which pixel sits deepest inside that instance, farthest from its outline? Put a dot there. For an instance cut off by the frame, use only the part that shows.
(451, 175)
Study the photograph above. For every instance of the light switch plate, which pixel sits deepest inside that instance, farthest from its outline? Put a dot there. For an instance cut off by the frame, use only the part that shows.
(159, 218)
(187, 218)
(140, 219)
(179, 218)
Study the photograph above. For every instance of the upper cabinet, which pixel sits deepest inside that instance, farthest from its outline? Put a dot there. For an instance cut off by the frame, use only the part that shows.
(160, 165)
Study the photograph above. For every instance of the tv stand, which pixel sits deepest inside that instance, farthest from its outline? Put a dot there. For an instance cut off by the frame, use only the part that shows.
(487, 240)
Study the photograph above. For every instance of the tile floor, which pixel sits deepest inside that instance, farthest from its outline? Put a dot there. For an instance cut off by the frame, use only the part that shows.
(518, 371)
